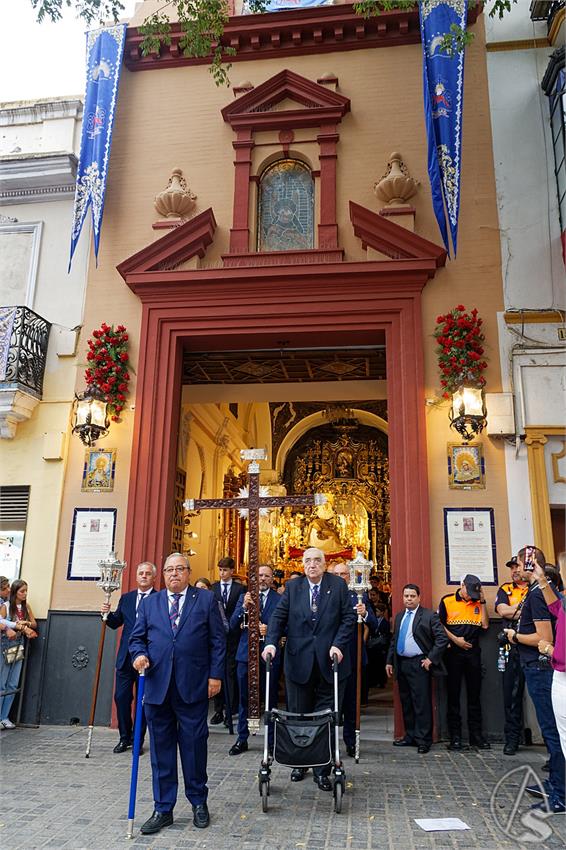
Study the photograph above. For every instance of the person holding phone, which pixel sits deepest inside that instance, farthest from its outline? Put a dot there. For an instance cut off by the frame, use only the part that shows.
(536, 625)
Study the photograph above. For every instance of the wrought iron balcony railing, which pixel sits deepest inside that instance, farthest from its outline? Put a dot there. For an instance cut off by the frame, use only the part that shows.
(23, 349)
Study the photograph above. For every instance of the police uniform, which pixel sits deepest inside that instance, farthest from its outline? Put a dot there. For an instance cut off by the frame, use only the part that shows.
(510, 593)
(464, 619)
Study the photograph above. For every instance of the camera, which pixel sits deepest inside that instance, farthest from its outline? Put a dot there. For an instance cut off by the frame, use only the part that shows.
(543, 662)
(502, 639)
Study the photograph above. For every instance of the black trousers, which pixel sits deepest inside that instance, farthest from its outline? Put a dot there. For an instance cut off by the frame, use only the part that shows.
(465, 665)
(513, 691)
(414, 683)
(126, 683)
(315, 695)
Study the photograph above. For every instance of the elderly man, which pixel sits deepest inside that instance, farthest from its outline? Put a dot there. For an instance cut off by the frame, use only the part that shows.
(126, 677)
(464, 616)
(317, 612)
(180, 641)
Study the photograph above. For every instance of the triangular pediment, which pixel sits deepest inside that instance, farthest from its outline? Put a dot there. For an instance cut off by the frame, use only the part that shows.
(389, 238)
(306, 102)
(181, 244)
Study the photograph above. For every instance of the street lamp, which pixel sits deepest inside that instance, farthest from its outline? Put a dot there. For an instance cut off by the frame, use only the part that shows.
(90, 419)
(468, 414)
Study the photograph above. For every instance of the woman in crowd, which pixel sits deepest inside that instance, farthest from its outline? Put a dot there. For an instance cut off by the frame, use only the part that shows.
(556, 604)
(19, 611)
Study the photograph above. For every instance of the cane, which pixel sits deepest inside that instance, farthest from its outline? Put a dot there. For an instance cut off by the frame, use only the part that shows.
(136, 754)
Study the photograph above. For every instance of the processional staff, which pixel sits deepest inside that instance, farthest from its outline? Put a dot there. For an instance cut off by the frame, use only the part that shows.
(253, 502)
(111, 570)
(360, 584)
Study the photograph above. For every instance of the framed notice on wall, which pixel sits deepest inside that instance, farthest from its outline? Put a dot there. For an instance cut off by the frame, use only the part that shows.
(92, 539)
(469, 544)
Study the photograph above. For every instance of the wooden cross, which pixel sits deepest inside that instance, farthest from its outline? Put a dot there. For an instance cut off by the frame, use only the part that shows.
(253, 503)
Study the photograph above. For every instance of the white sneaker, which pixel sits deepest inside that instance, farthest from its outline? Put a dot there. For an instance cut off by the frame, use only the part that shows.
(7, 724)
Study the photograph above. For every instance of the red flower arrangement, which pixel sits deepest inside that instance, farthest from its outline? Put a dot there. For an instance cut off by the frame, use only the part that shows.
(460, 349)
(108, 371)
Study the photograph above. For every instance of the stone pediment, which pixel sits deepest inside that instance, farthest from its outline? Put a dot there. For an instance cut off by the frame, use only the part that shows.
(284, 96)
(388, 238)
(180, 245)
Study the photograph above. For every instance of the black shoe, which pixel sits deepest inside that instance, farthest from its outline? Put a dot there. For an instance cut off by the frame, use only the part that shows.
(298, 774)
(537, 791)
(323, 782)
(201, 817)
(122, 746)
(156, 822)
(217, 718)
(510, 750)
(239, 747)
(423, 749)
(351, 750)
(482, 744)
(546, 767)
(455, 745)
(404, 742)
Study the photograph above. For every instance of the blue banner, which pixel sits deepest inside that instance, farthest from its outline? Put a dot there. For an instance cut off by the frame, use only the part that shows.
(443, 79)
(104, 51)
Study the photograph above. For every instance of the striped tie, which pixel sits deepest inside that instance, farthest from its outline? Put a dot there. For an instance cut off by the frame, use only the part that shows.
(314, 600)
(174, 611)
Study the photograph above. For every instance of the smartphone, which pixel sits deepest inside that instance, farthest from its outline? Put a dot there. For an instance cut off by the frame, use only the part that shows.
(529, 559)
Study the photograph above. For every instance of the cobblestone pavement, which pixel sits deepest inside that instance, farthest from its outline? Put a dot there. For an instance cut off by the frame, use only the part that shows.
(53, 797)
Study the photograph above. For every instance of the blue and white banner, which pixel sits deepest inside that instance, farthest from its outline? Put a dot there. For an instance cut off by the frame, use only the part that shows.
(104, 51)
(283, 5)
(443, 100)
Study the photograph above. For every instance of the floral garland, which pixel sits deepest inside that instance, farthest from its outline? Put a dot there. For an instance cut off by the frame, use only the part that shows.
(108, 372)
(460, 349)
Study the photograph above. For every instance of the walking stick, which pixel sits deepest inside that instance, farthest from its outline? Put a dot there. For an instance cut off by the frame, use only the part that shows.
(359, 689)
(136, 754)
(111, 571)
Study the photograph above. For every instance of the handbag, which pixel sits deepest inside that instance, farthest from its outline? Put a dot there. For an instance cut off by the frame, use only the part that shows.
(14, 654)
(303, 741)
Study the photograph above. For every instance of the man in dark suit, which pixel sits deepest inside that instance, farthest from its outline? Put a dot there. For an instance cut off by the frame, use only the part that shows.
(415, 654)
(370, 621)
(228, 592)
(179, 640)
(126, 677)
(317, 612)
(268, 600)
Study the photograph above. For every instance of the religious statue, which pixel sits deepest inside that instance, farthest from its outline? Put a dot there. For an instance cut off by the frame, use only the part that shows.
(320, 533)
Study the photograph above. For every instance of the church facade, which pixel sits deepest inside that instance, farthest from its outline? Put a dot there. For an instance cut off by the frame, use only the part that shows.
(271, 250)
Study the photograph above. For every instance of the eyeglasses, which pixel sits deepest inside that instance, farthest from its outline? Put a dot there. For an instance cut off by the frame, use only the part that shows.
(169, 570)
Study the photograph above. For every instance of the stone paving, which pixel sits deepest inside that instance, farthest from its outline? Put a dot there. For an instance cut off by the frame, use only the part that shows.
(53, 797)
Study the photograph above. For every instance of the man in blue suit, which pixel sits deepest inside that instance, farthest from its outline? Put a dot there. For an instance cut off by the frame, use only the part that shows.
(268, 600)
(126, 677)
(370, 620)
(317, 612)
(180, 641)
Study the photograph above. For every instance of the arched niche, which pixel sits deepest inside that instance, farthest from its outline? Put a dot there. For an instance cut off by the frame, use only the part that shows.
(312, 421)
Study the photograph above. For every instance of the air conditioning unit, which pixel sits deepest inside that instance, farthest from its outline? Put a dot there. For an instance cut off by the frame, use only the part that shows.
(500, 415)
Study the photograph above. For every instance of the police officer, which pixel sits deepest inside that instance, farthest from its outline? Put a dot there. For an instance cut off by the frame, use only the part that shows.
(464, 615)
(508, 603)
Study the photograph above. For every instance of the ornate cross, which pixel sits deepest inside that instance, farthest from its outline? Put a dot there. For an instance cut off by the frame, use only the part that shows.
(253, 503)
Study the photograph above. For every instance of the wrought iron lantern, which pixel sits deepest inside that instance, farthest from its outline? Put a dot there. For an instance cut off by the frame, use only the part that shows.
(360, 570)
(468, 415)
(111, 570)
(90, 418)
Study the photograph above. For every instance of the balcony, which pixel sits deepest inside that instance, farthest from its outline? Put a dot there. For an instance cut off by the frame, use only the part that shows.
(23, 352)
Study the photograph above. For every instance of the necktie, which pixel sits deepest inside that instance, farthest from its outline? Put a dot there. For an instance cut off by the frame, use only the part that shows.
(403, 632)
(140, 597)
(225, 594)
(261, 602)
(314, 600)
(174, 611)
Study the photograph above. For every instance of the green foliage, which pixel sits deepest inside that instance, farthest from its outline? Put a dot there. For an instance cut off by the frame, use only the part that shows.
(203, 21)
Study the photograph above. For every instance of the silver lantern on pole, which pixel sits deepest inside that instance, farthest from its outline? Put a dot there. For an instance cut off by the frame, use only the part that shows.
(111, 570)
(359, 584)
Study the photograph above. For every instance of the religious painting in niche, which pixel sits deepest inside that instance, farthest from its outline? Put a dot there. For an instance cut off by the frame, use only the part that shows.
(286, 203)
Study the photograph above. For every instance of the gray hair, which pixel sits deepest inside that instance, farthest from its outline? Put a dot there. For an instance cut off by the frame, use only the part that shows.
(314, 549)
(147, 564)
(177, 555)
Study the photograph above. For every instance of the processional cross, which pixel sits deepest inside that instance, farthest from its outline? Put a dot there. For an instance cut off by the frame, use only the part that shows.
(254, 503)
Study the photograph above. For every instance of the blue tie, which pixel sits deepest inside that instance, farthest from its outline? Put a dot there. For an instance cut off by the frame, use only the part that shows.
(403, 632)
(174, 611)
(314, 600)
